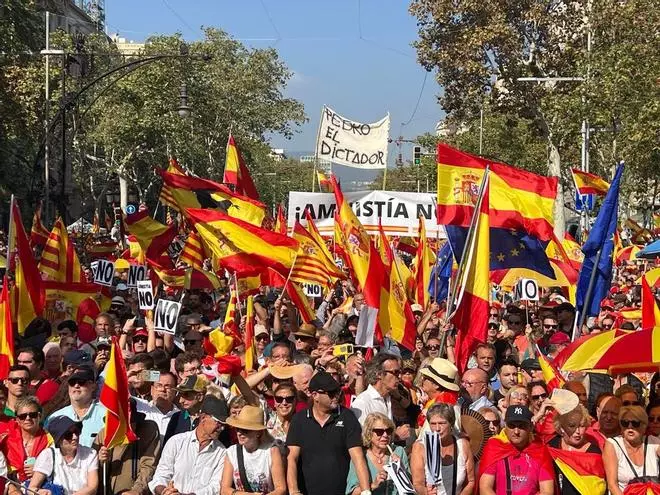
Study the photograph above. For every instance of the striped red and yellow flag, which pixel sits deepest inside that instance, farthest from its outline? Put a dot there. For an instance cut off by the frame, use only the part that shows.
(236, 172)
(193, 253)
(301, 302)
(587, 183)
(471, 317)
(650, 310)
(153, 237)
(311, 264)
(59, 260)
(185, 278)
(28, 296)
(518, 199)
(242, 247)
(38, 234)
(250, 349)
(325, 184)
(166, 198)
(551, 375)
(584, 470)
(114, 396)
(424, 260)
(6, 331)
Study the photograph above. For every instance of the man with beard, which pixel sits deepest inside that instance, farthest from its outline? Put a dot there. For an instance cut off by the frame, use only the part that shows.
(474, 389)
(161, 408)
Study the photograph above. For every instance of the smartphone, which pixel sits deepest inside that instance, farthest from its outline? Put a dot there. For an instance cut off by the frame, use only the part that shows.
(343, 350)
(30, 461)
(150, 375)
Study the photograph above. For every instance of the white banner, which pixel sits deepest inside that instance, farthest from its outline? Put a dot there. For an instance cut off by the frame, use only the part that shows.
(351, 143)
(398, 211)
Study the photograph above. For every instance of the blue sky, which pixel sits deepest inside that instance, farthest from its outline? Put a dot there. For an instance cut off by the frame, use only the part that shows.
(353, 55)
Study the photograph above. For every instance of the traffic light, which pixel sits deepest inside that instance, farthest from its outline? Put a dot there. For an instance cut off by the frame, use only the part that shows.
(417, 155)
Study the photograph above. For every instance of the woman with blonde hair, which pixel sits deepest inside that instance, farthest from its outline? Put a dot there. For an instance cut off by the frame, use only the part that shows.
(632, 454)
(377, 434)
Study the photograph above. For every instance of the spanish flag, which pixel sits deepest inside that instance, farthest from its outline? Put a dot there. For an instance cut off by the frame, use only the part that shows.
(166, 198)
(59, 260)
(301, 302)
(311, 264)
(193, 253)
(6, 331)
(280, 220)
(28, 291)
(102, 250)
(316, 235)
(586, 183)
(237, 173)
(242, 247)
(185, 278)
(250, 350)
(551, 375)
(471, 316)
(114, 396)
(520, 200)
(39, 234)
(424, 260)
(325, 184)
(584, 470)
(193, 192)
(650, 310)
(153, 237)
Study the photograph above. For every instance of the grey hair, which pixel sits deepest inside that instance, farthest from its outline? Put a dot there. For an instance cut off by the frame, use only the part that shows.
(444, 410)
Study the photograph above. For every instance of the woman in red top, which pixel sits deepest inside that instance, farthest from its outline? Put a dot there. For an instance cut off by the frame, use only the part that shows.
(25, 439)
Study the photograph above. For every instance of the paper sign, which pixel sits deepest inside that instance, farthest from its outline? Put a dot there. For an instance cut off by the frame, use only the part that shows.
(145, 294)
(135, 274)
(105, 272)
(527, 290)
(166, 316)
(313, 290)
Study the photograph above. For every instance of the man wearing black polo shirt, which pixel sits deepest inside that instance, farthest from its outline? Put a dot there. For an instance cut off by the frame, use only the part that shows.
(322, 442)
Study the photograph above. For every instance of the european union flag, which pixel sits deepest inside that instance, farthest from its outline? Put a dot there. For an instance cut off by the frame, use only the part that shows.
(598, 253)
(440, 274)
(509, 248)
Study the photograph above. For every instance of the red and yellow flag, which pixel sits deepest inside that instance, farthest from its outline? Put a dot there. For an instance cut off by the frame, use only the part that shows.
(301, 302)
(28, 291)
(551, 375)
(59, 260)
(96, 223)
(114, 396)
(166, 198)
(650, 310)
(193, 253)
(312, 265)
(108, 221)
(424, 260)
(471, 317)
(250, 349)
(153, 237)
(587, 183)
(39, 234)
(325, 184)
(242, 247)
(6, 331)
(193, 192)
(236, 172)
(584, 470)
(519, 200)
(102, 250)
(280, 220)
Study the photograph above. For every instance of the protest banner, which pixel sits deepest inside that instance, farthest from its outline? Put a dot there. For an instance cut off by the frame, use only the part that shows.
(145, 294)
(350, 143)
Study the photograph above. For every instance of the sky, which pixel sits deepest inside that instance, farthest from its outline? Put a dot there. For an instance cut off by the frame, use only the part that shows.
(355, 56)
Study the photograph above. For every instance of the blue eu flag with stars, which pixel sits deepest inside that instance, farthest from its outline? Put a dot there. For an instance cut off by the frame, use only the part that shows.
(440, 274)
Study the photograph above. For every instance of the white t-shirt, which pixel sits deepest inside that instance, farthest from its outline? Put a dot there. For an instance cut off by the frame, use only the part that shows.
(625, 473)
(257, 468)
(72, 476)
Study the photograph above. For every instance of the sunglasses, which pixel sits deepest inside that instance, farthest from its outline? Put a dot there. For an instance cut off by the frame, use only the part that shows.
(304, 338)
(550, 326)
(80, 383)
(329, 394)
(31, 415)
(540, 397)
(494, 315)
(631, 403)
(493, 422)
(14, 380)
(263, 336)
(494, 326)
(289, 399)
(520, 425)
(140, 340)
(630, 423)
(70, 434)
(433, 347)
(606, 326)
(381, 431)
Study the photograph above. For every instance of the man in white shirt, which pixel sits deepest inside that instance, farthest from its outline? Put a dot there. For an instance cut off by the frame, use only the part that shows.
(161, 408)
(192, 462)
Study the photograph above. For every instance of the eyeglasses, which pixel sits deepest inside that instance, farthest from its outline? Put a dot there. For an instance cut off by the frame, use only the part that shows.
(70, 434)
(160, 386)
(630, 423)
(493, 422)
(551, 326)
(433, 347)
(80, 383)
(631, 403)
(14, 380)
(396, 373)
(519, 425)
(31, 415)
(493, 326)
(379, 432)
(540, 397)
(289, 399)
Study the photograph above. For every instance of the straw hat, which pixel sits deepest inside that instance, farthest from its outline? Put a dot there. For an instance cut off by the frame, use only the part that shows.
(250, 418)
(564, 401)
(443, 373)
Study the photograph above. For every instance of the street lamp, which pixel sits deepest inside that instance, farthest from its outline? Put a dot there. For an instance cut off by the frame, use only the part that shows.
(112, 197)
(184, 108)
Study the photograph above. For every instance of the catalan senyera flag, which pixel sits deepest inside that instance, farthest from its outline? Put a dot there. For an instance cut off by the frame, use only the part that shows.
(311, 264)
(424, 260)
(59, 260)
(28, 292)
(38, 234)
(520, 200)
(193, 253)
(6, 331)
(166, 198)
(242, 247)
(587, 183)
(325, 184)
(584, 470)
(114, 396)
(471, 316)
(280, 220)
(236, 172)
(650, 310)
(551, 375)
(193, 192)
(152, 236)
(250, 349)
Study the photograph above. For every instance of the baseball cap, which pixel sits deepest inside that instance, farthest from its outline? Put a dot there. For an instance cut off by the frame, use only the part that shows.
(59, 425)
(122, 286)
(519, 414)
(118, 301)
(141, 332)
(77, 357)
(530, 364)
(260, 329)
(417, 308)
(323, 381)
(194, 383)
(559, 338)
(217, 408)
(83, 374)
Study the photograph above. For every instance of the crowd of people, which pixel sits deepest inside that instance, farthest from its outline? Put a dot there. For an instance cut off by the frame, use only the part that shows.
(317, 414)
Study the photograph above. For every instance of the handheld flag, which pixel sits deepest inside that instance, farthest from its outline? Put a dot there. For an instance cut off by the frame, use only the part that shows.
(166, 198)
(236, 172)
(250, 349)
(59, 260)
(153, 237)
(6, 331)
(39, 234)
(280, 221)
(439, 283)
(424, 260)
(586, 183)
(311, 264)
(325, 184)
(650, 310)
(193, 253)
(551, 375)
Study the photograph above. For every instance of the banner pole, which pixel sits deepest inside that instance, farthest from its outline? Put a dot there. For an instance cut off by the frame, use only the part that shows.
(316, 151)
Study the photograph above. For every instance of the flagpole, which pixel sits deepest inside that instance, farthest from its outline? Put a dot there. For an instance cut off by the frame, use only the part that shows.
(316, 151)
(590, 289)
(290, 272)
(10, 231)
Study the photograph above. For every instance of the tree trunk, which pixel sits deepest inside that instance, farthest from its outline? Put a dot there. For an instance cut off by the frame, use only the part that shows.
(554, 170)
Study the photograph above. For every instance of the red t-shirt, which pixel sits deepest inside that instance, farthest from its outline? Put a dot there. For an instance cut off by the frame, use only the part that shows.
(525, 472)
